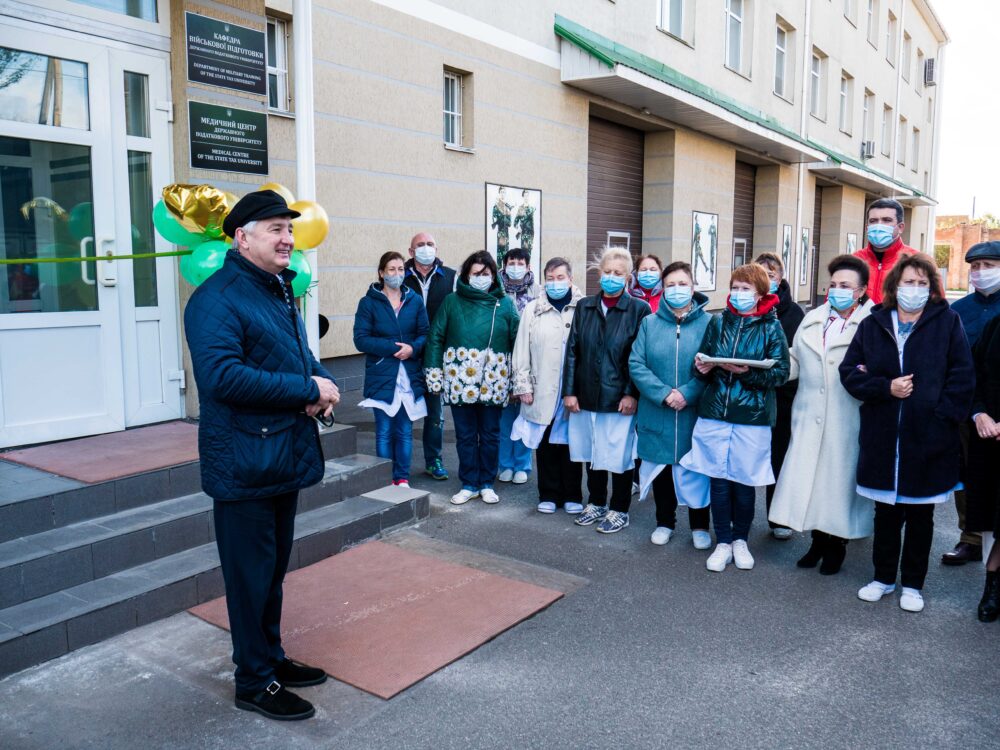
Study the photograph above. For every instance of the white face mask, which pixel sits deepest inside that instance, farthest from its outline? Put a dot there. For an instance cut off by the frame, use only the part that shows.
(425, 254)
(516, 272)
(986, 280)
(482, 283)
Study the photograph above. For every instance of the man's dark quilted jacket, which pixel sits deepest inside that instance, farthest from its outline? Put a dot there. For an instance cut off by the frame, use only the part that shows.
(254, 372)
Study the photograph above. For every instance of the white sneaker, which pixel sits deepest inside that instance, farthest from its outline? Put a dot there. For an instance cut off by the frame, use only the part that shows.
(719, 559)
(520, 477)
(781, 534)
(911, 600)
(506, 475)
(463, 496)
(573, 509)
(742, 556)
(489, 496)
(546, 506)
(875, 591)
(701, 539)
(661, 535)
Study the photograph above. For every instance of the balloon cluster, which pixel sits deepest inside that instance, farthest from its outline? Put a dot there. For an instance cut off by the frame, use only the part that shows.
(191, 216)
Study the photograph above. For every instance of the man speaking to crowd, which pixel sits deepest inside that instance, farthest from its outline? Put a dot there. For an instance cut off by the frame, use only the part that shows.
(259, 388)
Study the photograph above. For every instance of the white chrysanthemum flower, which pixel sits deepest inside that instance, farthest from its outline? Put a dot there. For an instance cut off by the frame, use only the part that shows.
(433, 377)
(491, 356)
(470, 372)
(450, 354)
(470, 394)
(485, 392)
(475, 355)
(503, 372)
(462, 353)
(490, 375)
(451, 370)
(502, 358)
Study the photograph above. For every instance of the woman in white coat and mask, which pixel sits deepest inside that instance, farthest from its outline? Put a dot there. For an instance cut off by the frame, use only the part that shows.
(816, 490)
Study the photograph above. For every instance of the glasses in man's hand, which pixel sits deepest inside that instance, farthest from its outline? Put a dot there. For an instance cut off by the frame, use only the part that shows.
(326, 421)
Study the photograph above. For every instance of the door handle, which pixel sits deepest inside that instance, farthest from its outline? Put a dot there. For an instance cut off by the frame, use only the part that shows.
(84, 273)
(107, 270)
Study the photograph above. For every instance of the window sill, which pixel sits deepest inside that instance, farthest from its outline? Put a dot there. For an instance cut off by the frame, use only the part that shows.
(848, 133)
(459, 149)
(740, 73)
(851, 21)
(783, 97)
(821, 118)
(281, 113)
(676, 38)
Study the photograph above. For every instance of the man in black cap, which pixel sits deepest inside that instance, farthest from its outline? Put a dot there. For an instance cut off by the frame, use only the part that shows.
(259, 387)
(976, 309)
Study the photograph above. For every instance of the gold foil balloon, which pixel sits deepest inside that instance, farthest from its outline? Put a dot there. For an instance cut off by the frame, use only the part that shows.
(280, 190)
(200, 209)
(311, 227)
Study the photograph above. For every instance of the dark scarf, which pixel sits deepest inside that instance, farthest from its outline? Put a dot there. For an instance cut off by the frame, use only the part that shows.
(519, 290)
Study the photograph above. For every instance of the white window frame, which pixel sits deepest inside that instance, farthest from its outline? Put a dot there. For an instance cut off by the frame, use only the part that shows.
(666, 16)
(845, 112)
(930, 109)
(871, 26)
(817, 71)
(918, 74)
(890, 39)
(738, 18)
(886, 135)
(279, 67)
(457, 80)
(868, 121)
(781, 59)
(619, 238)
(851, 11)
(907, 60)
(901, 141)
(915, 149)
(737, 242)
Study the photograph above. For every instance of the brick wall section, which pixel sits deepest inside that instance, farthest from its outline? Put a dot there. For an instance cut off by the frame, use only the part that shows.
(961, 235)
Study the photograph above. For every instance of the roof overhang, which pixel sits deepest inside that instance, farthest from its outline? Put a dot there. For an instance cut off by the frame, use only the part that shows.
(860, 178)
(607, 69)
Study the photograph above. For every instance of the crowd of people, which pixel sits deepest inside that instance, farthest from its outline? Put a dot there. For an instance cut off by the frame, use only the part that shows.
(858, 416)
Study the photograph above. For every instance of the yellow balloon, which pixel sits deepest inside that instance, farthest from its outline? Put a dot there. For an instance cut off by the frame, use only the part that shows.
(311, 227)
(280, 190)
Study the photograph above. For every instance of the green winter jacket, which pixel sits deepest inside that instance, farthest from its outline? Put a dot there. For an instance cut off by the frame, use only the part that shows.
(748, 398)
(467, 357)
(663, 359)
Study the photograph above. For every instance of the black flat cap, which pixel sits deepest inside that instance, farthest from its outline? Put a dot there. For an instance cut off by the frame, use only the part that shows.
(262, 204)
(983, 250)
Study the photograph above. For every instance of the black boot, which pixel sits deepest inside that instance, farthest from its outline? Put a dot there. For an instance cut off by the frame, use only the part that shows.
(833, 558)
(816, 551)
(989, 605)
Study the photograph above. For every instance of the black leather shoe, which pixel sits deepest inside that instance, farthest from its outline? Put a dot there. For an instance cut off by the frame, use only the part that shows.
(989, 605)
(293, 674)
(962, 554)
(816, 552)
(833, 558)
(275, 702)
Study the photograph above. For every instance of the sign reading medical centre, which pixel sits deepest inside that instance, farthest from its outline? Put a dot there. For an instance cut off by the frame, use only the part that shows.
(225, 54)
(227, 139)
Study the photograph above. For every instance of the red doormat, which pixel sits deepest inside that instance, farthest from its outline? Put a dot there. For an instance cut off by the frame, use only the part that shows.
(115, 455)
(381, 618)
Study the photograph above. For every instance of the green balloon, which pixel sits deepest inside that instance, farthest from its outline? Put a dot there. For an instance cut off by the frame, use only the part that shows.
(171, 230)
(206, 259)
(303, 273)
(81, 221)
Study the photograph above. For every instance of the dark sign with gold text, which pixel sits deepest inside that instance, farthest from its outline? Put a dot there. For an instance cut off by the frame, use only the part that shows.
(225, 54)
(227, 139)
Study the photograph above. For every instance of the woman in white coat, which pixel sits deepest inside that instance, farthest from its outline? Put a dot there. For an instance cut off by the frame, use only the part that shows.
(537, 368)
(817, 486)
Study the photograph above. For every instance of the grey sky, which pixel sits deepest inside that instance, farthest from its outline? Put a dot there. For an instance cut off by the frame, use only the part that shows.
(970, 154)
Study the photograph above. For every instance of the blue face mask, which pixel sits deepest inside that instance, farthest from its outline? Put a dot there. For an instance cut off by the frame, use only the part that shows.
(774, 286)
(678, 296)
(425, 254)
(393, 281)
(742, 300)
(611, 285)
(557, 289)
(516, 273)
(840, 299)
(879, 235)
(912, 298)
(482, 283)
(648, 279)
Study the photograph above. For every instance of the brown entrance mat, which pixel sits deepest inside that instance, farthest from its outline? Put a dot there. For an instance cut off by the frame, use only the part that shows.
(381, 618)
(117, 454)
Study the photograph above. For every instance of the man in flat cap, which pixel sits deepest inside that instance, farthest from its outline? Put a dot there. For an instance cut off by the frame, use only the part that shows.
(975, 309)
(259, 387)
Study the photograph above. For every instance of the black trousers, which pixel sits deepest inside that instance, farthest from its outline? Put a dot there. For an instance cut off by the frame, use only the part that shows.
(621, 489)
(558, 478)
(781, 436)
(254, 538)
(665, 495)
(915, 543)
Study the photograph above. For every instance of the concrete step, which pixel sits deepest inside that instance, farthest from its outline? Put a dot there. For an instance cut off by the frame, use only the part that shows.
(50, 561)
(47, 627)
(22, 516)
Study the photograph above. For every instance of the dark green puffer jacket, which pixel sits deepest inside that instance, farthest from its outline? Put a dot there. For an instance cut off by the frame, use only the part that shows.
(747, 398)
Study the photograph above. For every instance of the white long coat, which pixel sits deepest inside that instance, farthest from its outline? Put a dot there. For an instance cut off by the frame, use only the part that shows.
(539, 351)
(817, 485)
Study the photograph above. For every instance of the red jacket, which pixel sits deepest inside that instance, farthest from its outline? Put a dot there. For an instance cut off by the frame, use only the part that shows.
(878, 271)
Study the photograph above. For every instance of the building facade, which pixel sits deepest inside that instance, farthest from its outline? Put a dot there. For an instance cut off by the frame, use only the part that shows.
(705, 131)
(955, 235)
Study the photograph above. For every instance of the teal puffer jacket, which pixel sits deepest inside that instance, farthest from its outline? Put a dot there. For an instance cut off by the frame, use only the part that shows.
(748, 398)
(663, 359)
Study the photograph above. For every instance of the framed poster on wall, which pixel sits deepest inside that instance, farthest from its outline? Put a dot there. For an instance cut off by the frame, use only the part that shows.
(786, 248)
(852, 243)
(704, 250)
(514, 219)
(804, 258)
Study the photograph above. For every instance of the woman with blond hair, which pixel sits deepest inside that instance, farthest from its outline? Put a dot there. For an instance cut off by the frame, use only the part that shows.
(599, 394)
(731, 443)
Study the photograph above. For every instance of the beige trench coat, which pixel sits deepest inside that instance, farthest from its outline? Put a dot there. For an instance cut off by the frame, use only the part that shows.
(538, 355)
(817, 485)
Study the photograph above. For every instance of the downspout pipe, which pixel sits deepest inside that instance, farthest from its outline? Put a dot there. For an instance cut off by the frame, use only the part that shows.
(305, 148)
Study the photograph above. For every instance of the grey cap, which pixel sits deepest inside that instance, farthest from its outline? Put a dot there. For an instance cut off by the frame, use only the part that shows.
(983, 251)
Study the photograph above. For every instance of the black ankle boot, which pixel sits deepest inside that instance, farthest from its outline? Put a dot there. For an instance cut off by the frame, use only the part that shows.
(833, 558)
(816, 552)
(989, 605)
